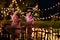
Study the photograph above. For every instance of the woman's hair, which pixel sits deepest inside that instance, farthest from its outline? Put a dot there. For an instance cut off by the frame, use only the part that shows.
(28, 12)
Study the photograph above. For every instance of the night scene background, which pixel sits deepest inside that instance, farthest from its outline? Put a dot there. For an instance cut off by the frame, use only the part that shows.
(46, 14)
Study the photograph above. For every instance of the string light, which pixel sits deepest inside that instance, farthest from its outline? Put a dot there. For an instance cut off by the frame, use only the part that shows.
(12, 1)
(20, 0)
(58, 3)
(1, 11)
(2, 15)
(39, 10)
(10, 15)
(7, 14)
(6, 10)
(51, 16)
(46, 17)
(1, 8)
(48, 8)
(56, 16)
(43, 18)
(53, 6)
(23, 2)
(45, 9)
(15, 2)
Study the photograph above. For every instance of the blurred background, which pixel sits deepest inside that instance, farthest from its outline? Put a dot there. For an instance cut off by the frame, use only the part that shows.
(46, 14)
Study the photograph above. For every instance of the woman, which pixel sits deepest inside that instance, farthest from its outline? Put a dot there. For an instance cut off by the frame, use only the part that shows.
(16, 23)
(29, 23)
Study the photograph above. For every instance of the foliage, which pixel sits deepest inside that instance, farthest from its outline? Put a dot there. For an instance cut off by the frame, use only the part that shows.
(54, 24)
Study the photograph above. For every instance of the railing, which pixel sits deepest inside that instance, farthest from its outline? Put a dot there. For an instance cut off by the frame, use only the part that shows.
(37, 34)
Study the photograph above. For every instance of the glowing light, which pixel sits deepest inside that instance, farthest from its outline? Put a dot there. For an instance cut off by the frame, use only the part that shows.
(7, 14)
(12, 1)
(39, 29)
(10, 15)
(53, 6)
(1, 11)
(45, 9)
(12, 8)
(8, 8)
(58, 3)
(2, 15)
(32, 29)
(10, 5)
(51, 16)
(43, 18)
(46, 30)
(4, 12)
(15, 2)
(1, 8)
(50, 7)
(17, 7)
(43, 29)
(23, 2)
(56, 16)
(38, 18)
(46, 17)
(4, 8)
(39, 10)
(20, 0)
(20, 11)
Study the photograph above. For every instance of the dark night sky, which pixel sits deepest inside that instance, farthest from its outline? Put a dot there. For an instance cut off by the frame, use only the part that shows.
(46, 3)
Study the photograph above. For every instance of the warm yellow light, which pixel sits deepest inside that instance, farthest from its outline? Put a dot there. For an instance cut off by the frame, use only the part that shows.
(20, 0)
(2, 15)
(23, 2)
(32, 29)
(15, 2)
(4, 12)
(7, 13)
(58, 3)
(1, 11)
